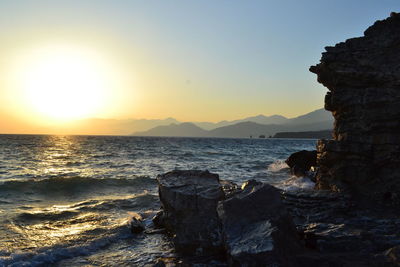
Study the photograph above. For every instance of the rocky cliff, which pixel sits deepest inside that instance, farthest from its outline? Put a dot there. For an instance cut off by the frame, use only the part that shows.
(363, 78)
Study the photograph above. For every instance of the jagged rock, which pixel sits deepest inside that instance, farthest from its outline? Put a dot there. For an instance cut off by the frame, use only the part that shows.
(308, 206)
(165, 262)
(363, 78)
(301, 162)
(136, 223)
(159, 219)
(257, 229)
(393, 255)
(229, 188)
(337, 233)
(249, 185)
(189, 200)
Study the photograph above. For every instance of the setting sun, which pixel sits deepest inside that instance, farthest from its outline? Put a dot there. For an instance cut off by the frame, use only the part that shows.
(62, 82)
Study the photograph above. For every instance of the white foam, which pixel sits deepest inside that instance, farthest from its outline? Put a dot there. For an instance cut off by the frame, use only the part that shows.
(277, 166)
(297, 183)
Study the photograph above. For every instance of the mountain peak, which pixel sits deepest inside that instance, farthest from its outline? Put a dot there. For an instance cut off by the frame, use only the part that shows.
(250, 126)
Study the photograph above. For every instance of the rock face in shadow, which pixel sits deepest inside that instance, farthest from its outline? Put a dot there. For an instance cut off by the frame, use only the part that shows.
(363, 78)
(216, 220)
(301, 162)
(189, 200)
(216, 223)
(337, 233)
(257, 229)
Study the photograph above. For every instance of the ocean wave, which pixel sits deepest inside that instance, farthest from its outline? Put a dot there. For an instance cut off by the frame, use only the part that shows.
(45, 215)
(74, 184)
(139, 202)
(49, 255)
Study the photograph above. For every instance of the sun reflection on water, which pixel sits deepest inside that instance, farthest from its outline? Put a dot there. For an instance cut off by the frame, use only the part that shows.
(45, 233)
(57, 156)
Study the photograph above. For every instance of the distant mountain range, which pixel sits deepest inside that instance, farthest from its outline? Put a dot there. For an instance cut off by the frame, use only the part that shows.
(261, 119)
(114, 126)
(252, 126)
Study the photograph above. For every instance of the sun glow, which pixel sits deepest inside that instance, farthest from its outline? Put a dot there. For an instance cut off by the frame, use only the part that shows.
(63, 82)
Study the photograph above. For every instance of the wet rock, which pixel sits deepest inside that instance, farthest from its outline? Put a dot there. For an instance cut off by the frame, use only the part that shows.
(166, 262)
(229, 188)
(153, 231)
(307, 206)
(189, 200)
(301, 162)
(249, 185)
(158, 219)
(338, 233)
(362, 76)
(257, 229)
(136, 223)
(393, 255)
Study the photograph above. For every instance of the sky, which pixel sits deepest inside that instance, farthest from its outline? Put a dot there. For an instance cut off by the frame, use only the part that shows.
(207, 60)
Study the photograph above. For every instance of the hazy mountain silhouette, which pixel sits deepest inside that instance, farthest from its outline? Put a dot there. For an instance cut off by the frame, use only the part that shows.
(211, 125)
(183, 129)
(116, 127)
(319, 115)
(313, 121)
(261, 119)
(246, 129)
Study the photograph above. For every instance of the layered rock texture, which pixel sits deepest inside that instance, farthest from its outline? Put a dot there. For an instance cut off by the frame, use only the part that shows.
(216, 223)
(189, 200)
(257, 229)
(363, 78)
(206, 218)
(337, 233)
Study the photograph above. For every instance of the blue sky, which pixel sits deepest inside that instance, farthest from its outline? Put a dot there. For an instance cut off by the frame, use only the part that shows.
(220, 59)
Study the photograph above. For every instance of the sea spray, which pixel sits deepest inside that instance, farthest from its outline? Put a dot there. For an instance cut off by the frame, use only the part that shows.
(285, 180)
(278, 166)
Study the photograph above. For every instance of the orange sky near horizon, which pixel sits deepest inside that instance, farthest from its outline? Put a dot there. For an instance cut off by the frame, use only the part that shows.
(65, 61)
(95, 83)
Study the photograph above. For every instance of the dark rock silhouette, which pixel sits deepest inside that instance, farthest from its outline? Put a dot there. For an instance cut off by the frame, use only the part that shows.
(136, 224)
(257, 229)
(363, 78)
(189, 200)
(337, 233)
(301, 162)
(392, 255)
(251, 228)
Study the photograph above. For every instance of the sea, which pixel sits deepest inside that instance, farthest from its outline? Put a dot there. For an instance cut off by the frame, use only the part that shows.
(68, 200)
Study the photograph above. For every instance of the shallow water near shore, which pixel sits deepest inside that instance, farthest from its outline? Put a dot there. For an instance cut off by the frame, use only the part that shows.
(66, 200)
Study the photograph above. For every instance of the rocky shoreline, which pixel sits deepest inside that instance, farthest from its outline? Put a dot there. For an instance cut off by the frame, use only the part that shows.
(217, 223)
(349, 219)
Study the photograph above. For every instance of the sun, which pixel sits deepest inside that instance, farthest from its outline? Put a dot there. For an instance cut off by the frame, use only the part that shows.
(63, 82)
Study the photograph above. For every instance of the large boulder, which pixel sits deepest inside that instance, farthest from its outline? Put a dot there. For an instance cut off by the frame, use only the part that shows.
(302, 161)
(189, 200)
(257, 229)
